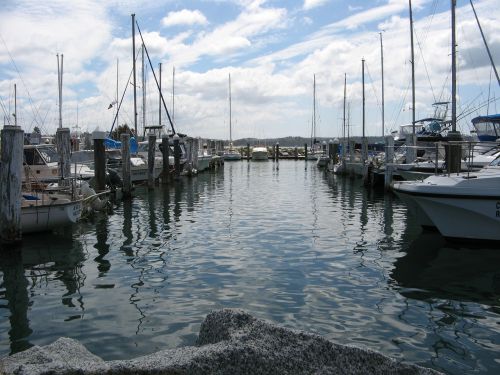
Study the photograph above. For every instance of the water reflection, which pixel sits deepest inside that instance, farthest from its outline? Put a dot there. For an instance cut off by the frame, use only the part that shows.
(40, 260)
(433, 267)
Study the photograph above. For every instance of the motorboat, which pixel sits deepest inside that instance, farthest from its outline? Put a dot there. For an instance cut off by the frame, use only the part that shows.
(322, 161)
(204, 158)
(462, 206)
(41, 164)
(260, 153)
(231, 154)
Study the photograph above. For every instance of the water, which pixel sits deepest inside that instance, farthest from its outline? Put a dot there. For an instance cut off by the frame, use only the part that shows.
(292, 245)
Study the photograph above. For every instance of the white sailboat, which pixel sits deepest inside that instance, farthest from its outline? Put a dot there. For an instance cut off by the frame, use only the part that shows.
(231, 154)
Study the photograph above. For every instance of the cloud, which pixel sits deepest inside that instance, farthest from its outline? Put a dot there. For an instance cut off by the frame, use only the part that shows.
(184, 17)
(310, 4)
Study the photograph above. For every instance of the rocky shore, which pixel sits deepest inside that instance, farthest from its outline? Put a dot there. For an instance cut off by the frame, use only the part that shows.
(230, 342)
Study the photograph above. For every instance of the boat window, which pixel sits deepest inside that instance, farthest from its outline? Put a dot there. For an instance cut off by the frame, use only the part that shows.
(48, 154)
(488, 128)
(143, 147)
(496, 162)
(31, 157)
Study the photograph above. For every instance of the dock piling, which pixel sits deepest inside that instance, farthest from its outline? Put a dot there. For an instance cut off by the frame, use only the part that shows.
(151, 160)
(177, 156)
(63, 144)
(126, 178)
(12, 156)
(389, 159)
(99, 160)
(165, 149)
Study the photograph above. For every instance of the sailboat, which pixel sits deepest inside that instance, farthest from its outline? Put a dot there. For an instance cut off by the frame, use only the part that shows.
(231, 154)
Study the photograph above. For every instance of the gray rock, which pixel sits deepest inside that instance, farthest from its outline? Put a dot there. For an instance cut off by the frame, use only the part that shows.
(230, 342)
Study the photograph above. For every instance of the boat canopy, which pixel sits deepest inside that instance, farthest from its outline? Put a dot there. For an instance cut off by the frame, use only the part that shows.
(111, 143)
(487, 127)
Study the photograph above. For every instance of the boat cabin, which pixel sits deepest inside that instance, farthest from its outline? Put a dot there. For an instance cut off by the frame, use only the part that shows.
(487, 127)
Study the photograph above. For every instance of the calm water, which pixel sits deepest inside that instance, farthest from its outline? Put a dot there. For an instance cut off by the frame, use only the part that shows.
(292, 245)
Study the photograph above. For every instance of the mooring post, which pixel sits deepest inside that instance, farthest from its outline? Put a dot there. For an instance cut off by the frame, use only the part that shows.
(165, 149)
(151, 160)
(296, 153)
(63, 144)
(177, 156)
(99, 160)
(389, 159)
(196, 150)
(305, 150)
(411, 148)
(335, 151)
(126, 177)
(277, 152)
(248, 151)
(453, 152)
(12, 156)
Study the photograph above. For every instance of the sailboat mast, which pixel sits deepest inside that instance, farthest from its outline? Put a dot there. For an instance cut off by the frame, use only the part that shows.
(453, 69)
(59, 83)
(382, 70)
(485, 43)
(173, 93)
(343, 120)
(412, 72)
(159, 100)
(143, 93)
(363, 86)
(133, 68)
(314, 108)
(230, 114)
(117, 62)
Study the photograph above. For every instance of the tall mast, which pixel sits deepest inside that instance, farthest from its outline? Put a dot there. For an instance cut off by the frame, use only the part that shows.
(363, 85)
(133, 68)
(343, 121)
(116, 100)
(453, 69)
(382, 69)
(314, 108)
(143, 93)
(173, 93)
(485, 43)
(412, 72)
(159, 101)
(59, 83)
(230, 114)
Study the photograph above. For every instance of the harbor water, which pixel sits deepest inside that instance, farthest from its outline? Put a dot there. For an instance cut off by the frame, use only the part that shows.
(290, 244)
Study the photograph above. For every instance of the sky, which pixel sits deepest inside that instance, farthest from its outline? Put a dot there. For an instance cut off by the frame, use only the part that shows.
(272, 50)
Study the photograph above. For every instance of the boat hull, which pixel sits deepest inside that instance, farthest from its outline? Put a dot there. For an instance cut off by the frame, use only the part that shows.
(41, 218)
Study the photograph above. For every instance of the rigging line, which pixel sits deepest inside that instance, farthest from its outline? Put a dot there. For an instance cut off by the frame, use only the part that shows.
(35, 114)
(489, 92)
(121, 100)
(154, 75)
(425, 66)
(373, 86)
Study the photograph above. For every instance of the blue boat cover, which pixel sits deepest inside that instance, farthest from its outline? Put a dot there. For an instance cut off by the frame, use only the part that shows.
(111, 143)
(493, 118)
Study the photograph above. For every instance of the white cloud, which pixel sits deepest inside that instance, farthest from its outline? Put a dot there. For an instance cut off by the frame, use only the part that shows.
(310, 4)
(184, 17)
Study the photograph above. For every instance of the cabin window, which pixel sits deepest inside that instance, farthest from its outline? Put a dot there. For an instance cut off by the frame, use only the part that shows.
(31, 157)
(49, 154)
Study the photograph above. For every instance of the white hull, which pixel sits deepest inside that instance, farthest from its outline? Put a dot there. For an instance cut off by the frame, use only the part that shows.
(232, 156)
(41, 218)
(460, 206)
(260, 153)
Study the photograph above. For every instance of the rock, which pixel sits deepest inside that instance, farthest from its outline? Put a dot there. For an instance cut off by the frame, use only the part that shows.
(230, 342)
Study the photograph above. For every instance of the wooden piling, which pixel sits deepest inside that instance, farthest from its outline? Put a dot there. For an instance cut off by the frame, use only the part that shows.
(126, 177)
(63, 144)
(411, 148)
(453, 152)
(151, 160)
(305, 150)
(277, 152)
(177, 156)
(99, 160)
(248, 151)
(12, 156)
(165, 149)
(389, 159)
(195, 150)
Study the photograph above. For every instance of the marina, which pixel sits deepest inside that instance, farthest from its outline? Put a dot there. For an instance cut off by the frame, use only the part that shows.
(351, 264)
(215, 222)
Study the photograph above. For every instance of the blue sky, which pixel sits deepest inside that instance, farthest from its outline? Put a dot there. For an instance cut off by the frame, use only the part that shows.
(272, 49)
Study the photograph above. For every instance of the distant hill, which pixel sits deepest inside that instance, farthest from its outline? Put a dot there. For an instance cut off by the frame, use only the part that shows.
(293, 141)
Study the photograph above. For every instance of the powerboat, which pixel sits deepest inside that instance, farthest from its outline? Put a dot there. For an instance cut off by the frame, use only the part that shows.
(260, 153)
(461, 206)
